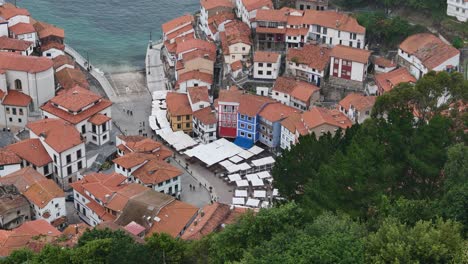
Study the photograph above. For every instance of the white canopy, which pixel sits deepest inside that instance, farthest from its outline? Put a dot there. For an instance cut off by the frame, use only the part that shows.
(245, 154)
(225, 163)
(238, 200)
(215, 151)
(252, 202)
(251, 177)
(275, 192)
(236, 159)
(264, 174)
(179, 140)
(259, 194)
(257, 182)
(234, 177)
(242, 183)
(263, 161)
(241, 193)
(255, 150)
(238, 167)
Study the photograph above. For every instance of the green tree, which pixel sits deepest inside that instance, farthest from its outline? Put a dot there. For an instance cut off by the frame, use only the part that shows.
(165, 249)
(425, 242)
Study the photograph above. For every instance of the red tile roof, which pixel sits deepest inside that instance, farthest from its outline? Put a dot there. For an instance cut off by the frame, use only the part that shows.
(266, 56)
(173, 218)
(314, 56)
(42, 192)
(349, 53)
(237, 65)
(188, 29)
(251, 105)
(61, 60)
(32, 151)
(199, 54)
(45, 30)
(135, 228)
(23, 178)
(271, 30)
(275, 112)
(9, 10)
(333, 19)
(297, 32)
(183, 46)
(294, 122)
(177, 22)
(198, 94)
(251, 5)
(99, 119)
(358, 101)
(211, 218)
(22, 28)
(76, 99)
(8, 157)
(386, 81)
(382, 61)
(36, 228)
(237, 32)
(156, 171)
(429, 49)
(178, 104)
(318, 116)
(131, 160)
(196, 75)
(69, 78)
(52, 45)
(206, 115)
(210, 4)
(296, 88)
(58, 134)
(233, 94)
(31, 64)
(15, 98)
(7, 43)
(271, 15)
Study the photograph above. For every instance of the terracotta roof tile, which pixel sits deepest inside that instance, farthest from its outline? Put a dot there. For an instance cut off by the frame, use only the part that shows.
(210, 4)
(196, 75)
(428, 48)
(198, 94)
(349, 53)
(186, 45)
(45, 30)
(8, 11)
(294, 123)
(266, 56)
(32, 151)
(173, 218)
(42, 192)
(199, 54)
(237, 32)
(76, 99)
(99, 119)
(61, 60)
(31, 64)
(314, 56)
(177, 22)
(233, 94)
(299, 89)
(271, 15)
(37, 227)
(275, 112)
(382, 61)
(131, 160)
(23, 178)
(22, 28)
(297, 32)
(386, 81)
(58, 134)
(318, 116)
(333, 19)
(178, 104)
(271, 30)
(7, 43)
(16, 98)
(69, 78)
(188, 29)
(251, 5)
(8, 157)
(237, 65)
(251, 105)
(120, 199)
(156, 171)
(52, 45)
(358, 101)
(206, 115)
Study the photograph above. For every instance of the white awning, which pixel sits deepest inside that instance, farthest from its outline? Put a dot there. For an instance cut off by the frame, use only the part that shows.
(215, 151)
(238, 200)
(263, 161)
(257, 182)
(259, 194)
(245, 154)
(179, 140)
(240, 193)
(225, 163)
(242, 183)
(252, 202)
(255, 150)
(275, 192)
(264, 174)
(236, 159)
(251, 177)
(234, 177)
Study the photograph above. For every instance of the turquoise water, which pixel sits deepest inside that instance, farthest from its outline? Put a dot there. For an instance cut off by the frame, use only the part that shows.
(114, 32)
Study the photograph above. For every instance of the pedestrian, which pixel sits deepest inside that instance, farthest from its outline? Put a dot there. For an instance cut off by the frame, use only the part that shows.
(190, 186)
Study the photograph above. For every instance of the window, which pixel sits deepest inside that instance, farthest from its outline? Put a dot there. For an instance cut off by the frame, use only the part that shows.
(187, 117)
(269, 65)
(55, 169)
(94, 138)
(260, 64)
(243, 48)
(68, 158)
(242, 125)
(94, 128)
(249, 135)
(14, 111)
(179, 126)
(46, 169)
(7, 110)
(242, 133)
(78, 153)
(69, 170)
(168, 181)
(18, 85)
(80, 165)
(104, 137)
(260, 72)
(83, 129)
(20, 120)
(55, 158)
(21, 111)
(187, 125)
(104, 127)
(249, 127)
(268, 72)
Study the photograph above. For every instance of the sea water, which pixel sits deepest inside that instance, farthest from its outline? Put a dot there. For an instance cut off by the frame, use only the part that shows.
(114, 33)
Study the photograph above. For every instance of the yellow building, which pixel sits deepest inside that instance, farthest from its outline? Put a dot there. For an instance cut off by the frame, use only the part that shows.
(179, 112)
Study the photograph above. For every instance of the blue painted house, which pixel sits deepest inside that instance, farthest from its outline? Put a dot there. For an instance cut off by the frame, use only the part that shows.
(248, 120)
(270, 123)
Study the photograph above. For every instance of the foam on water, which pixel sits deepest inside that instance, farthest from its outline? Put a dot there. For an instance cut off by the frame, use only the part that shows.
(114, 33)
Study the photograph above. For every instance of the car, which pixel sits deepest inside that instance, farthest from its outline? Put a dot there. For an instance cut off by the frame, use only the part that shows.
(69, 198)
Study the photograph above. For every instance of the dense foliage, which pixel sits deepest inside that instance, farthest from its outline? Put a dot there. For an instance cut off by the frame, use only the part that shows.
(392, 190)
(386, 31)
